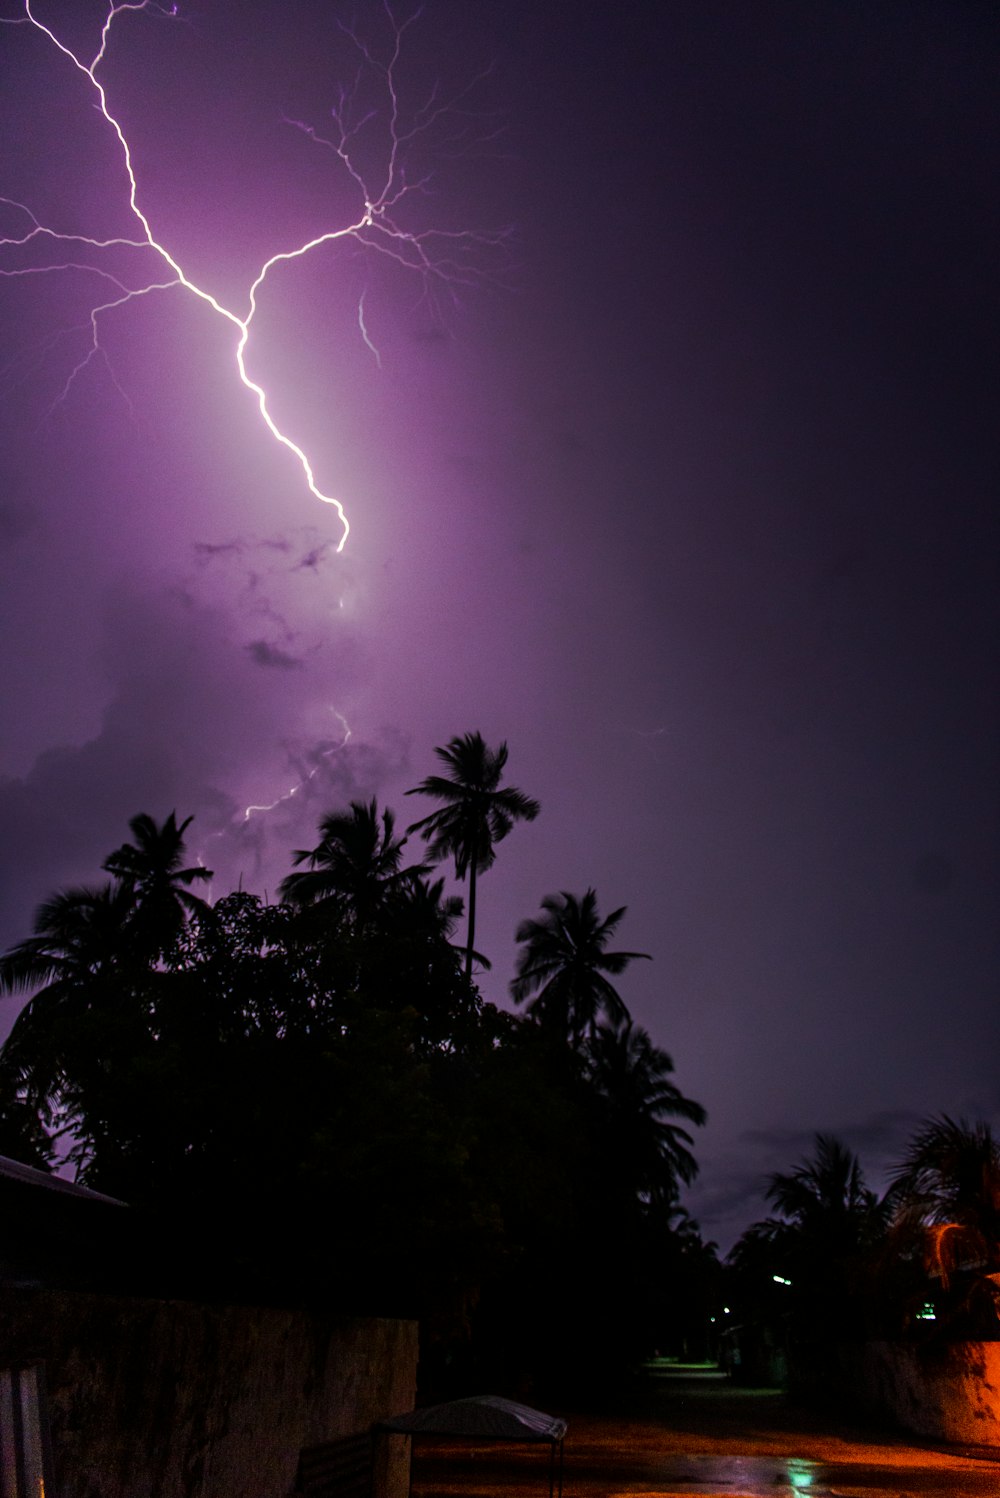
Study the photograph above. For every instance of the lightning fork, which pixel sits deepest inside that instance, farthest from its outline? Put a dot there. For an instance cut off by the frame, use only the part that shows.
(438, 256)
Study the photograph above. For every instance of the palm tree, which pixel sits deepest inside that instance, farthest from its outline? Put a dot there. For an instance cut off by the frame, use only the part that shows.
(826, 1195)
(946, 1201)
(74, 964)
(563, 964)
(821, 1243)
(634, 1077)
(478, 813)
(427, 908)
(951, 1173)
(23, 1136)
(354, 870)
(151, 871)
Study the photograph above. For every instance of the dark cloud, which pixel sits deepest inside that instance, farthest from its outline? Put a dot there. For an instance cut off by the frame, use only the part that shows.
(263, 653)
(208, 550)
(316, 556)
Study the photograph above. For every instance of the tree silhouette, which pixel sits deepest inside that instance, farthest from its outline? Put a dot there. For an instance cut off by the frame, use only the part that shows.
(478, 813)
(354, 871)
(71, 964)
(151, 871)
(634, 1077)
(428, 907)
(23, 1136)
(564, 963)
(96, 968)
(945, 1201)
(951, 1175)
(273, 1072)
(820, 1247)
(84, 1008)
(826, 1195)
(425, 907)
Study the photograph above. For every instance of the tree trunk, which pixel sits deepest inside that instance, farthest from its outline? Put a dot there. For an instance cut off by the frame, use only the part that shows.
(473, 861)
(472, 922)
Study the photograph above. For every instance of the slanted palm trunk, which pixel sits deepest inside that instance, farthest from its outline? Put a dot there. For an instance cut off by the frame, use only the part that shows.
(472, 909)
(472, 924)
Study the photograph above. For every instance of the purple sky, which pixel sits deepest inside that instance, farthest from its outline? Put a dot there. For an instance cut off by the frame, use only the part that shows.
(693, 500)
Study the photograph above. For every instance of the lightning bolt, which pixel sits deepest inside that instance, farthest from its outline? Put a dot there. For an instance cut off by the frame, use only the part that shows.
(364, 331)
(443, 258)
(300, 785)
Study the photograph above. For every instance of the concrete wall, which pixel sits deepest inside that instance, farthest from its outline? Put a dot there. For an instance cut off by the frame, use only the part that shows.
(949, 1392)
(164, 1399)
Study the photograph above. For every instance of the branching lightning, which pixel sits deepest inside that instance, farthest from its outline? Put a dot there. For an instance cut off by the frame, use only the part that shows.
(300, 785)
(441, 257)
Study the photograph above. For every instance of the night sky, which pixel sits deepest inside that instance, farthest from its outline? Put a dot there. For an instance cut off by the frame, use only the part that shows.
(687, 488)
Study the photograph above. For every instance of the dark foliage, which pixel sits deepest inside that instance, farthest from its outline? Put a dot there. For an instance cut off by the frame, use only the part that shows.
(802, 1279)
(310, 1101)
(563, 966)
(477, 813)
(837, 1264)
(940, 1268)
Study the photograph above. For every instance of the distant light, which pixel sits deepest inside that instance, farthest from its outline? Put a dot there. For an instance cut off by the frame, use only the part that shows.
(927, 1312)
(726, 1311)
(779, 1279)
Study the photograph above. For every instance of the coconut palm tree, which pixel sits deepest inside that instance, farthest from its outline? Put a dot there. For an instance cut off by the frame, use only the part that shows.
(825, 1195)
(951, 1175)
(74, 964)
(151, 870)
(828, 1225)
(426, 908)
(564, 963)
(478, 813)
(354, 870)
(23, 1136)
(945, 1199)
(634, 1077)
(430, 908)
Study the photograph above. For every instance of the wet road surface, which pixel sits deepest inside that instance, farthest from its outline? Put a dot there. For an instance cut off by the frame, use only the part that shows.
(692, 1434)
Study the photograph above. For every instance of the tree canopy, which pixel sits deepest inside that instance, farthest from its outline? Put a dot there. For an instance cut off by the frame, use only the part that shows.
(478, 813)
(311, 1099)
(563, 967)
(837, 1262)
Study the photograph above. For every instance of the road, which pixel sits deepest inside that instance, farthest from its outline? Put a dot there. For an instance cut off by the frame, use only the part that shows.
(692, 1434)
